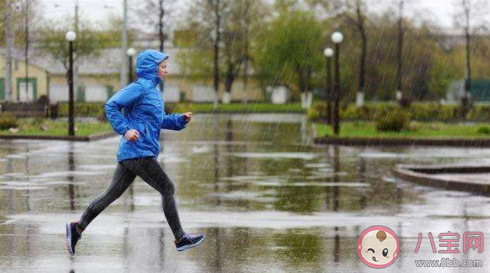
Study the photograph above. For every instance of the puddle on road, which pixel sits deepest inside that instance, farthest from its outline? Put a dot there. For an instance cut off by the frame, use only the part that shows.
(264, 198)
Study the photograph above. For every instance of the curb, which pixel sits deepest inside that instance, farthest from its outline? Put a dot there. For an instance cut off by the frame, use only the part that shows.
(360, 141)
(424, 175)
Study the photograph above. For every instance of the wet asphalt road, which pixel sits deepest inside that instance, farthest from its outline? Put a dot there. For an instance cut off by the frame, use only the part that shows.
(267, 199)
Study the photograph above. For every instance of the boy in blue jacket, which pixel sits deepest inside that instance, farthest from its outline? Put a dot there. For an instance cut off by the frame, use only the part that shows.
(137, 113)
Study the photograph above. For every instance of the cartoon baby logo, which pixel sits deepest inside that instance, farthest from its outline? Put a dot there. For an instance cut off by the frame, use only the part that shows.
(378, 247)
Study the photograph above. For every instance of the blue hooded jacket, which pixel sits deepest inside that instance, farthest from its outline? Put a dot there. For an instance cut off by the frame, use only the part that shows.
(140, 106)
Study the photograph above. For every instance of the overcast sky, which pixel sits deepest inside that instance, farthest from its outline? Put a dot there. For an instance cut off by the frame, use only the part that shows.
(440, 11)
(99, 10)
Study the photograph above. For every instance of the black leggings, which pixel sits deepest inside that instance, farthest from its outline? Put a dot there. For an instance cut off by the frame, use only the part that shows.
(152, 173)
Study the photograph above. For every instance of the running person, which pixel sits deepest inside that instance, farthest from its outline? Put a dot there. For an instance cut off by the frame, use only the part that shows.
(139, 124)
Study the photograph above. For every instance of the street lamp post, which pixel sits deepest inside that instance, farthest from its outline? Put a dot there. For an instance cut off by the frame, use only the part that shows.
(328, 52)
(70, 37)
(337, 39)
(131, 52)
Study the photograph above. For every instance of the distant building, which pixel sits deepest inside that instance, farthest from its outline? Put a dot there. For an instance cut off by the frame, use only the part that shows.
(24, 89)
(98, 78)
(96, 81)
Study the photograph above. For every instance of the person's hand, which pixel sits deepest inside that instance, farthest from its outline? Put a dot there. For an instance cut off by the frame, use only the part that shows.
(187, 117)
(132, 135)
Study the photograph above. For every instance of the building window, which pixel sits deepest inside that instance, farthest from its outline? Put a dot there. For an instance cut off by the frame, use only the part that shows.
(26, 89)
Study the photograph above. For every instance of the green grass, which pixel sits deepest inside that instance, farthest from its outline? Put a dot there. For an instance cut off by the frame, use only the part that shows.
(58, 128)
(423, 130)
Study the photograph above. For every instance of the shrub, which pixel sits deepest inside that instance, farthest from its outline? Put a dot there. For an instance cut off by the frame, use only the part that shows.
(425, 111)
(318, 111)
(393, 122)
(312, 113)
(38, 120)
(484, 130)
(364, 112)
(101, 116)
(448, 112)
(479, 113)
(414, 126)
(384, 110)
(8, 121)
(82, 109)
(420, 111)
(351, 112)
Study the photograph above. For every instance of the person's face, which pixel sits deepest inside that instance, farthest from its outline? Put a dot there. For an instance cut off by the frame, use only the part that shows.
(162, 70)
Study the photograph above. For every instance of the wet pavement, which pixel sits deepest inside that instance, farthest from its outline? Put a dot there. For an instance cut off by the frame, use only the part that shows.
(265, 196)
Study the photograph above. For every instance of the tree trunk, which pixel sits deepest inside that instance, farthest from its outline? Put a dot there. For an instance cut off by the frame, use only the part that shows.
(362, 60)
(230, 78)
(216, 52)
(9, 34)
(161, 34)
(124, 47)
(301, 78)
(362, 70)
(399, 71)
(245, 53)
(26, 52)
(466, 100)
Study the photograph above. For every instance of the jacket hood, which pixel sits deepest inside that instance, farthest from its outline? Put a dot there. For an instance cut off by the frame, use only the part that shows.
(147, 64)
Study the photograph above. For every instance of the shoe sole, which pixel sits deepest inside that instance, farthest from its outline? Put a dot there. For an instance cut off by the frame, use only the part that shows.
(191, 246)
(68, 239)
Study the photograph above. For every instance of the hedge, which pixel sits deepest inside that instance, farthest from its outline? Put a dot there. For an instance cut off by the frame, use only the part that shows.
(417, 112)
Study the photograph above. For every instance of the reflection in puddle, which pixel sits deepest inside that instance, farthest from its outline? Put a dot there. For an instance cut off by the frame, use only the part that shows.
(314, 184)
(303, 156)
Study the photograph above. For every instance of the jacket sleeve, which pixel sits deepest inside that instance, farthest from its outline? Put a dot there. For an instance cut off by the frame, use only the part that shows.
(125, 98)
(173, 122)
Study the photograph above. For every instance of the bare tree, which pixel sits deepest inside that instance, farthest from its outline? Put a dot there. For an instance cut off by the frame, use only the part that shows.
(243, 16)
(161, 15)
(217, 14)
(354, 12)
(17, 17)
(399, 70)
(469, 16)
(26, 20)
(359, 20)
(26, 52)
(123, 75)
(236, 41)
(246, 55)
(159, 22)
(9, 34)
(220, 42)
(52, 41)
